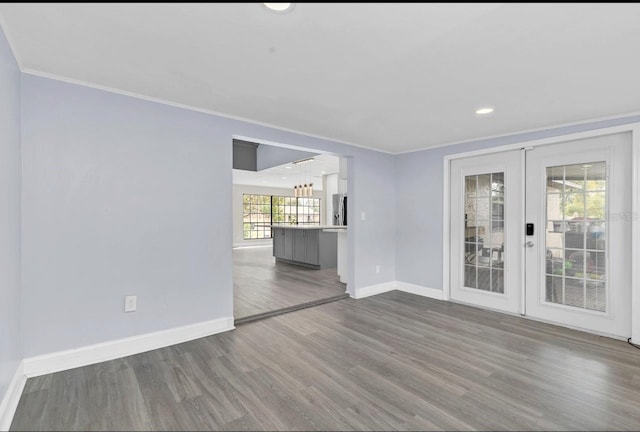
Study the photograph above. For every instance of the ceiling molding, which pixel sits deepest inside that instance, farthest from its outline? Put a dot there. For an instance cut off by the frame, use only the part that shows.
(523, 132)
(187, 107)
(292, 146)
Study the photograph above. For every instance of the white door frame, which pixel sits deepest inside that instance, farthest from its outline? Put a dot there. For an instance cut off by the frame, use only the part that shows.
(634, 129)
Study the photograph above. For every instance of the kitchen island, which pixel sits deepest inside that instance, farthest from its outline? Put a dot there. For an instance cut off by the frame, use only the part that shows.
(313, 246)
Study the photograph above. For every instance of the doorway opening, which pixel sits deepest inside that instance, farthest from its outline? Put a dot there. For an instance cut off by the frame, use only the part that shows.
(289, 229)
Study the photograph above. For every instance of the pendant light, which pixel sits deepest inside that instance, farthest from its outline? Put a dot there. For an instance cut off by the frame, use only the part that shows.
(305, 187)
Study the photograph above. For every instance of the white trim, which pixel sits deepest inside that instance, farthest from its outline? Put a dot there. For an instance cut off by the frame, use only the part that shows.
(529, 131)
(87, 355)
(629, 127)
(189, 107)
(248, 245)
(399, 286)
(523, 233)
(446, 231)
(584, 330)
(12, 397)
(295, 131)
(540, 320)
(419, 290)
(488, 308)
(374, 290)
(635, 234)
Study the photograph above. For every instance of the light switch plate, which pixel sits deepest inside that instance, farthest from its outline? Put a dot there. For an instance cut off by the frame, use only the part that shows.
(130, 303)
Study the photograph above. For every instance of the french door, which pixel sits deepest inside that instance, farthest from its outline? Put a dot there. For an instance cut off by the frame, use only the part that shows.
(578, 260)
(486, 250)
(556, 246)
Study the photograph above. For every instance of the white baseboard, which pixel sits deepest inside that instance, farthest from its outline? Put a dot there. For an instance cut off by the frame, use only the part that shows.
(400, 286)
(420, 290)
(252, 244)
(12, 397)
(83, 356)
(374, 289)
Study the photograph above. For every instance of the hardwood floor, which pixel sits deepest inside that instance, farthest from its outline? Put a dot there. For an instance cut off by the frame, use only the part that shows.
(389, 362)
(260, 285)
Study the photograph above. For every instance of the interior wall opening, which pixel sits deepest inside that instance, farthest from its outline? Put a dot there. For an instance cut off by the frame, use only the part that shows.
(290, 209)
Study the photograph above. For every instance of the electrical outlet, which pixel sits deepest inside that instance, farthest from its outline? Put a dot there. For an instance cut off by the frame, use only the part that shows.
(363, 216)
(130, 303)
(377, 269)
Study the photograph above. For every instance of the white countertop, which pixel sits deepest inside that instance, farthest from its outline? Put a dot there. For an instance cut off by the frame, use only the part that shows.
(335, 230)
(312, 227)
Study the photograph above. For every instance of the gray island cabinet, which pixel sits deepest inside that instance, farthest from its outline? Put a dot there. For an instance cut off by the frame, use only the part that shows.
(308, 246)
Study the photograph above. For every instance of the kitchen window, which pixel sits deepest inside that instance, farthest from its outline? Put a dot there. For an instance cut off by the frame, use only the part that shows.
(260, 211)
(308, 211)
(256, 216)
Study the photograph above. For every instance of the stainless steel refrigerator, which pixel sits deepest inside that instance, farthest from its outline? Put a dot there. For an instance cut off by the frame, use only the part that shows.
(339, 209)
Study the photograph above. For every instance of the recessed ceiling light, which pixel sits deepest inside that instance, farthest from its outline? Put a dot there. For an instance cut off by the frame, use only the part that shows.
(287, 167)
(484, 110)
(279, 7)
(284, 178)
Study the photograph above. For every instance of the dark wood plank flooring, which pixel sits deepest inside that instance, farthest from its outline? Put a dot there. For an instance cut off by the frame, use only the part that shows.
(390, 362)
(260, 285)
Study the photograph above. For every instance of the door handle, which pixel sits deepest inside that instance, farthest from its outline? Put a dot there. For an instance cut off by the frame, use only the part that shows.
(529, 244)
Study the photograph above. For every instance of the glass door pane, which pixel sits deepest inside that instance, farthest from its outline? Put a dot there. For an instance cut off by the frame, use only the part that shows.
(575, 237)
(484, 232)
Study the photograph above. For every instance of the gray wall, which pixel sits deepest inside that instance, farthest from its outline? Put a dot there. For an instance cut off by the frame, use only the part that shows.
(420, 186)
(124, 196)
(10, 178)
(270, 156)
(245, 155)
(120, 197)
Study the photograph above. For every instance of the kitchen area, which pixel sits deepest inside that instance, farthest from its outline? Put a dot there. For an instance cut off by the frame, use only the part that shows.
(290, 230)
(310, 245)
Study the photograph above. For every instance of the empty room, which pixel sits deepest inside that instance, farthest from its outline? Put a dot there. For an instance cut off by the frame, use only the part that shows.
(319, 216)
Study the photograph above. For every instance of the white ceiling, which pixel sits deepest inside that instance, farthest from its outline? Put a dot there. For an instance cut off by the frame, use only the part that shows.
(294, 174)
(394, 77)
